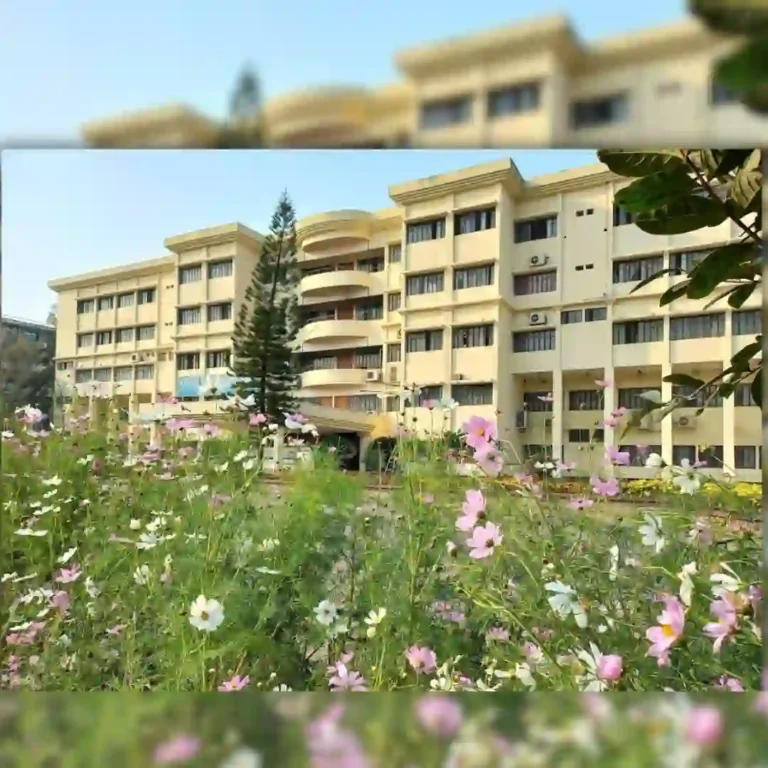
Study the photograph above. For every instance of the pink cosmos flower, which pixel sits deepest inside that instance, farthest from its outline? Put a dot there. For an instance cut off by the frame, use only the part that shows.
(211, 430)
(610, 421)
(68, 575)
(663, 636)
(724, 610)
(439, 715)
(603, 383)
(347, 680)
(344, 659)
(97, 465)
(755, 595)
(615, 456)
(581, 503)
(178, 425)
(609, 487)
(421, 659)
(237, 683)
(330, 745)
(62, 601)
(497, 633)
(489, 459)
(116, 630)
(727, 683)
(548, 398)
(479, 431)
(473, 509)
(178, 750)
(705, 726)
(609, 667)
(257, 419)
(619, 412)
(483, 540)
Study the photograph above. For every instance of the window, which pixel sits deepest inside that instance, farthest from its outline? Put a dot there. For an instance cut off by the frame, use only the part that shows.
(145, 332)
(84, 306)
(375, 264)
(571, 316)
(441, 113)
(64, 366)
(473, 277)
(622, 217)
(105, 303)
(393, 403)
(424, 341)
(536, 229)
(123, 373)
(533, 341)
(686, 260)
(217, 269)
(694, 399)
(429, 395)
(743, 395)
(368, 358)
(145, 372)
(103, 337)
(595, 314)
(217, 359)
(188, 361)
(125, 300)
(83, 377)
(320, 363)
(639, 454)
(632, 398)
(474, 221)
(371, 309)
(536, 282)
(746, 457)
(192, 315)
(429, 282)
(190, 274)
(585, 400)
(102, 374)
(425, 230)
(712, 455)
(395, 253)
(146, 296)
(746, 322)
(638, 331)
(697, 326)
(590, 113)
(394, 301)
(124, 335)
(473, 336)
(537, 402)
(533, 450)
(364, 403)
(84, 340)
(720, 94)
(473, 394)
(633, 270)
(514, 99)
(394, 353)
(217, 312)
(578, 435)
(681, 452)
(314, 316)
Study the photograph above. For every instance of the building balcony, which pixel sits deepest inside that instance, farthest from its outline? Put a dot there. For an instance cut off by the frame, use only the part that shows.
(337, 285)
(334, 377)
(334, 231)
(364, 332)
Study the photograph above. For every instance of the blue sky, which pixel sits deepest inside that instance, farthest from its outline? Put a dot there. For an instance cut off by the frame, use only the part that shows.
(63, 63)
(71, 211)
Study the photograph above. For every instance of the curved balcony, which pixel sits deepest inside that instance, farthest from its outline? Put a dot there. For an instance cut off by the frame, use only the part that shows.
(334, 230)
(338, 331)
(333, 377)
(341, 284)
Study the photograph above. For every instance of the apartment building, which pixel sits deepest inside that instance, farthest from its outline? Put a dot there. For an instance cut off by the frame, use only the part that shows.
(531, 84)
(510, 296)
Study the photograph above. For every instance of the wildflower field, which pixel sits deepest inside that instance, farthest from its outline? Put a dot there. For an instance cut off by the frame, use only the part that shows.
(181, 567)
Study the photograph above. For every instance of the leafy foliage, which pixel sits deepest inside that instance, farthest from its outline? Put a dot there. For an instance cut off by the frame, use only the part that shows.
(268, 320)
(676, 191)
(243, 128)
(26, 375)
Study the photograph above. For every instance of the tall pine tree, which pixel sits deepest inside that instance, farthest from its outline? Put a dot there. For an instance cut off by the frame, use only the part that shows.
(265, 330)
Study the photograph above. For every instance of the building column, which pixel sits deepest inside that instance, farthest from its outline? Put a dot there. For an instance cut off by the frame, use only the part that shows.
(609, 405)
(666, 422)
(729, 430)
(557, 415)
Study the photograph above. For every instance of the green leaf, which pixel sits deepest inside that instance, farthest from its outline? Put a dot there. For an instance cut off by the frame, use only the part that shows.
(648, 280)
(718, 266)
(745, 354)
(683, 215)
(655, 191)
(684, 380)
(734, 18)
(637, 163)
(673, 293)
(730, 160)
(757, 388)
(740, 294)
(748, 180)
(745, 72)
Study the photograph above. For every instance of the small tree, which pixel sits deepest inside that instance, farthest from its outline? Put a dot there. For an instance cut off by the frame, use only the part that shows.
(26, 375)
(243, 125)
(265, 330)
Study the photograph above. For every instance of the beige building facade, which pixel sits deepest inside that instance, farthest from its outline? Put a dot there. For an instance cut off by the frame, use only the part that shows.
(509, 296)
(529, 85)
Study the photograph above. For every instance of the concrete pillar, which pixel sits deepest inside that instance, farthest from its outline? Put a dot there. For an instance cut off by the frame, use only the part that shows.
(557, 414)
(729, 430)
(609, 404)
(666, 423)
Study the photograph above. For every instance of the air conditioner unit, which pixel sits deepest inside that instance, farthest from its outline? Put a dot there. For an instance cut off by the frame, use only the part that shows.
(521, 420)
(686, 422)
(536, 318)
(538, 261)
(373, 375)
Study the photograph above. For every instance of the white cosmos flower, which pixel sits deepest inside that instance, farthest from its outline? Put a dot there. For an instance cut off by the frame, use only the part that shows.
(91, 588)
(613, 570)
(239, 456)
(206, 615)
(243, 757)
(55, 481)
(565, 602)
(326, 612)
(686, 478)
(654, 461)
(589, 681)
(268, 545)
(652, 532)
(686, 583)
(373, 619)
(725, 582)
(249, 464)
(282, 688)
(31, 532)
(524, 675)
(148, 541)
(135, 524)
(142, 575)
(67, 556)
(545, 466)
